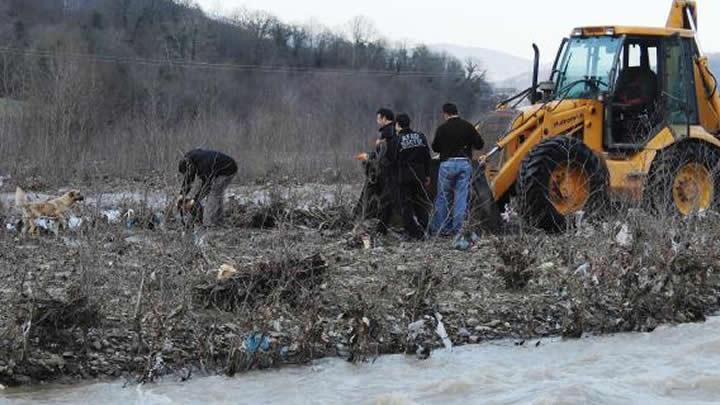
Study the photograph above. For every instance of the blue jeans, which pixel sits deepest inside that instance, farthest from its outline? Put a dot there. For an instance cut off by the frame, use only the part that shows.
(453, 178)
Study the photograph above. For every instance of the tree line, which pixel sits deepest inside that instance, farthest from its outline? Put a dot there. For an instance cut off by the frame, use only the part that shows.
(123, 86)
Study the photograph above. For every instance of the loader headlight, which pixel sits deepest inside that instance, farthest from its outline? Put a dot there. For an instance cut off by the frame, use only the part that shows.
(610, 31)
(577, 32)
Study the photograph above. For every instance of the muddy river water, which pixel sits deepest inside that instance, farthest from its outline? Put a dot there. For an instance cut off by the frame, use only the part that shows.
(678, 364)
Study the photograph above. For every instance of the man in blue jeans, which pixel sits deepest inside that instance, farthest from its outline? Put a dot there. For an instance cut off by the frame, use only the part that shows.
(454, 141)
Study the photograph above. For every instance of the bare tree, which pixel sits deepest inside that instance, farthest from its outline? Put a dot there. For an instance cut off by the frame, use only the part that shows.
(99, 95)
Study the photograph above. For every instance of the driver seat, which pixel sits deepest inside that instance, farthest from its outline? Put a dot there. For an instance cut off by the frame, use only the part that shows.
(637, 88)
(636, 96)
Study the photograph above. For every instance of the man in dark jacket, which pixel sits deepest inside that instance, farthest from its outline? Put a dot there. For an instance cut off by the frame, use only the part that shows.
(413, 163)
(454, 141)
(386, 150)
(215, 171)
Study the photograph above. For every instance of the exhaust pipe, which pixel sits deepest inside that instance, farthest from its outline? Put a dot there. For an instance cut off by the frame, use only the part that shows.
(534, 98)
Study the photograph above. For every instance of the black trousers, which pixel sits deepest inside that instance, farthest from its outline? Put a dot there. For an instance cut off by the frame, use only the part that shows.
(415, 208)
(389, 203)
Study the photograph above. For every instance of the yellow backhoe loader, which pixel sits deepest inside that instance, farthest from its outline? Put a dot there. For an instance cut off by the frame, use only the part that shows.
(629, 114)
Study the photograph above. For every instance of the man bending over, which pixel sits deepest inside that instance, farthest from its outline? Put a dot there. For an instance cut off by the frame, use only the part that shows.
(215, 171)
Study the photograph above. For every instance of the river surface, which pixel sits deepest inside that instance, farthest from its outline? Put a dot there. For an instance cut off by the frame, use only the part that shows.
(673, 365)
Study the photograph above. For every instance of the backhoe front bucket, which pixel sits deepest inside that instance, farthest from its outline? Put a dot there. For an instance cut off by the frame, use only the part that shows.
(484, 210)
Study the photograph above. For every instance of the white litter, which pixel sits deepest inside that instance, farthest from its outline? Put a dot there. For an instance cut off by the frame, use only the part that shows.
(47, 224)
(416, 328)
(112, 216)
(200, 240)
(624, 238)
(508, 214)
(579, 217)
(75, 222)
(547, 266)
(675, 245)
(440, 330)
(582, 270)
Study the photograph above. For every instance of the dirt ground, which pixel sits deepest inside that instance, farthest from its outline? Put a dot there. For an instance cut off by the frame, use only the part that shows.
(142, 299)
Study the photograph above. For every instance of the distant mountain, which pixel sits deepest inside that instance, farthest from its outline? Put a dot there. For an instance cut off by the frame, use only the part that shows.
(499, 65)
(714, 59)
(524, 80)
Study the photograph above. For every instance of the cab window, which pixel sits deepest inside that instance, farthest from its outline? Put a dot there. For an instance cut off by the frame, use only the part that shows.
(679, 82)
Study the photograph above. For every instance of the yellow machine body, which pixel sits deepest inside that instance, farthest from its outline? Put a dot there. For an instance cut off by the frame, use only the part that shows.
(588, 118)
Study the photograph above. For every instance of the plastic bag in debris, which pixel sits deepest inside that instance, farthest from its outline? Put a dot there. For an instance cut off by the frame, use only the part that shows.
(112, 216)
(416, 328)
(199, 239)
(256, 342)
(419, 340)
(47, 224)
(130, 219)
(75, 222)
(582, 270)
(442, 333)
(52, 225)
(510, 214)
(158, 219)
(624, 238)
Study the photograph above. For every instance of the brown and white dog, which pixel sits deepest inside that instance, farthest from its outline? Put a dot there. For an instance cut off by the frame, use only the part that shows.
(53, 209)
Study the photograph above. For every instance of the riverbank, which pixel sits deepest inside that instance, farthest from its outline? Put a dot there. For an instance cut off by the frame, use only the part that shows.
(108, 300)
(621, 368)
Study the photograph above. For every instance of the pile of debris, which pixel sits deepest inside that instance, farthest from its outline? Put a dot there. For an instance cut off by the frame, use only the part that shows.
(280, 213)
(288, 281)
(49, 313)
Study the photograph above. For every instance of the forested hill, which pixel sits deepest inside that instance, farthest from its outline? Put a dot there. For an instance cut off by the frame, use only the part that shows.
(108, 73)
(175, 30)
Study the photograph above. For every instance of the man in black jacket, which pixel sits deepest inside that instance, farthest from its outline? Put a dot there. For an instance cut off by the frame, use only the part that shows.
(215, 171)
(413, 163)
(454, 141)
(386, 150)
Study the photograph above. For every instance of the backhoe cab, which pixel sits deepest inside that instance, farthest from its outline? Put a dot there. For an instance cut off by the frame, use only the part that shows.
(628, 114)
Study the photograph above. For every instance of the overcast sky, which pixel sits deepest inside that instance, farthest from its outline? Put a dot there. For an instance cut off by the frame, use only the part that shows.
(508, 25)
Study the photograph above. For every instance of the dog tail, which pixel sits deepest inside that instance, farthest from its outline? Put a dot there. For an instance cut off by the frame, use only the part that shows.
(21, 197)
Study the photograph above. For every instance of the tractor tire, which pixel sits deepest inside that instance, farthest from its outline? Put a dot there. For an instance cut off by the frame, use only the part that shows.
(684, 179)
(559, 177)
